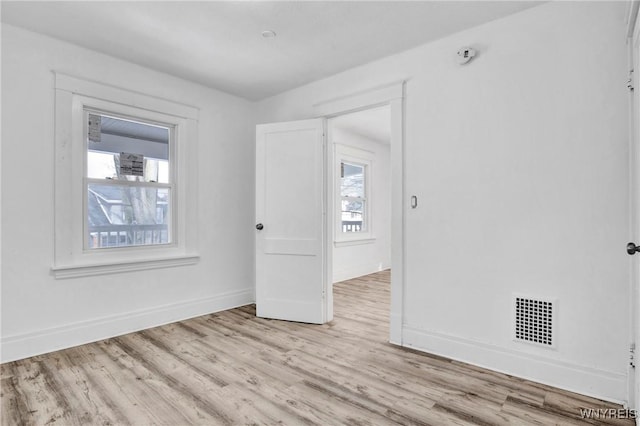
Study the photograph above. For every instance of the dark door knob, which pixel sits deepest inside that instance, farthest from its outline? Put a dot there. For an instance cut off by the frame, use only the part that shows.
(259, 227)
(632, 248)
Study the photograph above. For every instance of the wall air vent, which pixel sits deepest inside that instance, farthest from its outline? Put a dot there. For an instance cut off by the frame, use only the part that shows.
(535, 320)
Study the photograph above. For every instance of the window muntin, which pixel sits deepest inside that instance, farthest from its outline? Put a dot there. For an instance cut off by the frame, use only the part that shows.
(353, 197)
(128, 186)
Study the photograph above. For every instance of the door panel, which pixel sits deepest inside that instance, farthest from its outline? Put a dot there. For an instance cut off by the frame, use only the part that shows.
(290, 249)
(634, 373)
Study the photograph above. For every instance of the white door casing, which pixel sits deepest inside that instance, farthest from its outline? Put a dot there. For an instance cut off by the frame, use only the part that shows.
(291, 279)
(392, 95)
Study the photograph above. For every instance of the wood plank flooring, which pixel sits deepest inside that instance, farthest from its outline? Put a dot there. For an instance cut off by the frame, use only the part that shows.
(232, 368)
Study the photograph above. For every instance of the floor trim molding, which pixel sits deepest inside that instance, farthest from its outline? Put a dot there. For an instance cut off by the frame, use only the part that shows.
(601, 384)
(25, 345)
(358, 270)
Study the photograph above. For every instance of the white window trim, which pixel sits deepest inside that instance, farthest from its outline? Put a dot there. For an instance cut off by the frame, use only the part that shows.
(349, 154)
(71, 258)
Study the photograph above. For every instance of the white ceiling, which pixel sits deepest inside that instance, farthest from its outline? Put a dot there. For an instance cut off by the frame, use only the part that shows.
(219, 43)
(372, 124)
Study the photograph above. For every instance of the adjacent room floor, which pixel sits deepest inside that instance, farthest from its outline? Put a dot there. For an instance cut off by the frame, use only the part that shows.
(233, 368)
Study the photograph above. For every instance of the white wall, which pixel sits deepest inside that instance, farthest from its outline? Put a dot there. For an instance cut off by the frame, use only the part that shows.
(40, 313)
(353, 260)
(519, 161)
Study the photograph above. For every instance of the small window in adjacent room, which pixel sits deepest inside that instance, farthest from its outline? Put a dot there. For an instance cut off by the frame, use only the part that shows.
(353, 211)
(128, 187)
(353, 190)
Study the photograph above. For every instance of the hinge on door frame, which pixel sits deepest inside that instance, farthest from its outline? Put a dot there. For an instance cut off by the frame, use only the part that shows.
(632, 352)
(630, 81)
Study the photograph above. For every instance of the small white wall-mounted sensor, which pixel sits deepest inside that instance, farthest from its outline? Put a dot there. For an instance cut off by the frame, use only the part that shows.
(465, 54)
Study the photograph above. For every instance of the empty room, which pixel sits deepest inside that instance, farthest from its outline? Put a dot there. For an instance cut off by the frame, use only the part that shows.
(320, 212)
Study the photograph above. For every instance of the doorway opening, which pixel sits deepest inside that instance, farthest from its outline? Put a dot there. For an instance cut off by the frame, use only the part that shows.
(391, 95)
(359, 201)
(295, 234)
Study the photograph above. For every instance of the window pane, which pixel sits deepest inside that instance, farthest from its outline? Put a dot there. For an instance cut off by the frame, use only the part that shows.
(110, 139)
(101, 165)
(352, 180)
(353, 215)
(127, 216)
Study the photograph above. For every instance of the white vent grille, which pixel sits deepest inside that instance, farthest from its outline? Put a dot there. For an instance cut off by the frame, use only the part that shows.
(535, 321)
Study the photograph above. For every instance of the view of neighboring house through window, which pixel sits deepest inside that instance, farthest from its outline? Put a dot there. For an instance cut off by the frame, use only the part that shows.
(128, 182)
(353, 195)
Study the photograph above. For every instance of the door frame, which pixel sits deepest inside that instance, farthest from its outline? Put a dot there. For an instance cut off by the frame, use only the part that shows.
(392, 94)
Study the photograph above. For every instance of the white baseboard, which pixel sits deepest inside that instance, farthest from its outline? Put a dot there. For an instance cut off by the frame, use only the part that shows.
(357, 271)
(56, 338)
(601, 384)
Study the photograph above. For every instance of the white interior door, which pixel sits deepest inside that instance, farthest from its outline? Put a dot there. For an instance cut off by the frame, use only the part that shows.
(290, 211)
(634, 365)
(635, 385)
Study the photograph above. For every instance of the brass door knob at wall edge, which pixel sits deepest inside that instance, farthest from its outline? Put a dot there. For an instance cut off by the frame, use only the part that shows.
(259, 227)
(632, 248)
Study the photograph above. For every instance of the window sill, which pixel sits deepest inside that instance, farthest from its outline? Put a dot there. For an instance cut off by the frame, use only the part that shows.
(354, 242)
(76, 271)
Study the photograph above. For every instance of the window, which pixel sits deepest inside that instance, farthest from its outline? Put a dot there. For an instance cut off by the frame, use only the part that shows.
(353, 201)
(125, 180)
(353, 197)
(128, 187)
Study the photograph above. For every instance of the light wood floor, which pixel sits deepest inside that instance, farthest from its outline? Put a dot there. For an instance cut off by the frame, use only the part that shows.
(233, 368)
